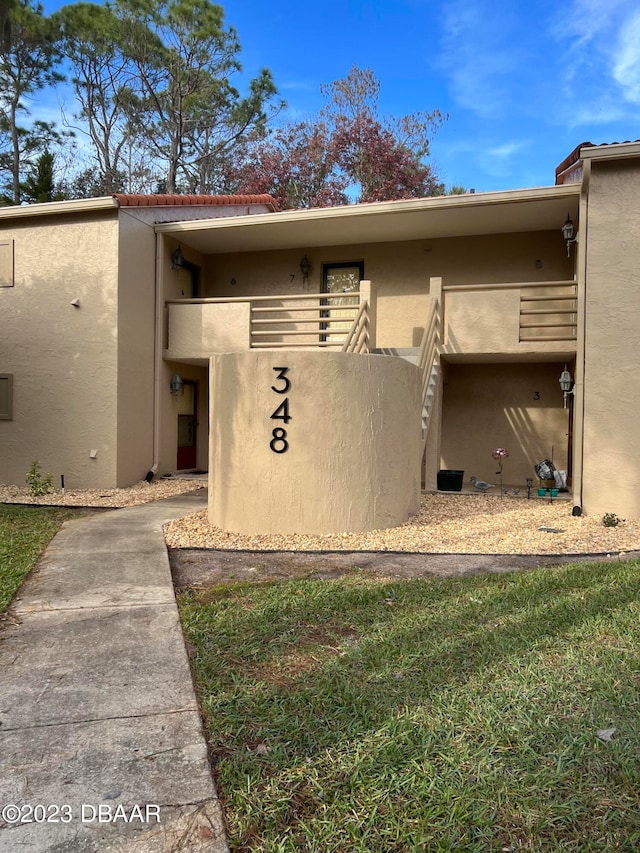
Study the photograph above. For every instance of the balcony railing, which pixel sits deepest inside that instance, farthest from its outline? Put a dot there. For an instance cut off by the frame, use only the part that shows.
(196, 328)
(498, 317)
(474, 318)
(550, 315)
(305, 320)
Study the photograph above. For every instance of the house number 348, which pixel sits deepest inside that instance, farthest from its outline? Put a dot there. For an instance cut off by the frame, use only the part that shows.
(279, 443)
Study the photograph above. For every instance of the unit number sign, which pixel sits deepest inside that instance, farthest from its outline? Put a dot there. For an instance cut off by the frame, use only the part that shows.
(279, 443)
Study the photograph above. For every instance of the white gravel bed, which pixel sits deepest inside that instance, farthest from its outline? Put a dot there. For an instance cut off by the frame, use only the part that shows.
(140, 493)
(445, 524)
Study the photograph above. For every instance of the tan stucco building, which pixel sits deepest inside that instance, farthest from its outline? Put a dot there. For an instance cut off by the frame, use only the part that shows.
(104, 302)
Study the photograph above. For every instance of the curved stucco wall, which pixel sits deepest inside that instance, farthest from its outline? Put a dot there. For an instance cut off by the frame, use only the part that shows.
(352, 461)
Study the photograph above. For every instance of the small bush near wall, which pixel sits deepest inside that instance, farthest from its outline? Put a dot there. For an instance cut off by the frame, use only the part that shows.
(39, 483)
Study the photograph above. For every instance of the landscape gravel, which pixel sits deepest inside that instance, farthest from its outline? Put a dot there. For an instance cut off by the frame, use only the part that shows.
(140, 493)
(444, 524)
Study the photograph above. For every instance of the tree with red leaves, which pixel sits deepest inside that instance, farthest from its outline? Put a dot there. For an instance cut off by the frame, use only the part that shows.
(347, 153)
(295, 164)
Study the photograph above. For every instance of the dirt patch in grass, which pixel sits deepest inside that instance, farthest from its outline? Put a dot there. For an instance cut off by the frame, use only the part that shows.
(199, 568)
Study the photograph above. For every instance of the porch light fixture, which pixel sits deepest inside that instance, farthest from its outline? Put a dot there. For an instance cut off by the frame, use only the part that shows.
(566, 385)
(176, 385)
(177, 260)
(569, 234)
(305, 268)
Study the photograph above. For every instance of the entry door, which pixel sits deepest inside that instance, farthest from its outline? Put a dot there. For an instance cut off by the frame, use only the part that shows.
(341, 278)
(187, 426)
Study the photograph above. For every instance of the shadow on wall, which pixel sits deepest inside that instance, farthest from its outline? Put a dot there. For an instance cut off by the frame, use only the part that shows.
(516, 406)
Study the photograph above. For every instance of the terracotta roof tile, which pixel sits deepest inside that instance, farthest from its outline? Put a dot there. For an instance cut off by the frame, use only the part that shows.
(572, 158)
(576, 154)
(132, 200)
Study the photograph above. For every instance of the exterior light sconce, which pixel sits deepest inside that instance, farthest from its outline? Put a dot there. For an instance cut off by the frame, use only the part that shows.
(177, 260)
(176, 385)
(566, 385)
(569, 234)
(305, 268)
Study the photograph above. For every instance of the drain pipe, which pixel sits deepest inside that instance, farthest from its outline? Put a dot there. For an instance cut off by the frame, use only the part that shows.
(157, 368)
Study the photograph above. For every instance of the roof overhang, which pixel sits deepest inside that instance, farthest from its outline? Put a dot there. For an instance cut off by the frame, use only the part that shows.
(56, 208)
(612, 151)
(538, 209)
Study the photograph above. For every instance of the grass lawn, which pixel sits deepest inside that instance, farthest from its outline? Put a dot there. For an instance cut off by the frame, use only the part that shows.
(425, 715)
(24, 533)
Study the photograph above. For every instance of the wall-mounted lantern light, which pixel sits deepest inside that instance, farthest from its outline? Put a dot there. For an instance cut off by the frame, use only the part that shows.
(566, 385)
(305, 268)
(176, 385)
(569, 234)
(177, 260)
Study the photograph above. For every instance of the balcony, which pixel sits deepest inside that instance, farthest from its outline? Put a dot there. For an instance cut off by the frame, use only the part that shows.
(198, 328)
(509, 318)
(503, 319)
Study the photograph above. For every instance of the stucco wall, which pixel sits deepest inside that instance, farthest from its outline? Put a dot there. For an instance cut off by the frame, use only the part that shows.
(354, 440)
(64, 359)
(197, 331)
(611, 380)
(494, 405)
(399, 272)
(136, 323)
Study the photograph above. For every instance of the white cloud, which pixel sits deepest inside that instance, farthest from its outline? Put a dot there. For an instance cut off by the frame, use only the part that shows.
(477, 56)
(587, 19)
(299, 86)
(506, 150)
(602, 44)
(626, 67)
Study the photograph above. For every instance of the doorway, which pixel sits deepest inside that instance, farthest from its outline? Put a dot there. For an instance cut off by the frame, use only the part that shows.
(187, 426)
(340, 278)
(189, 280)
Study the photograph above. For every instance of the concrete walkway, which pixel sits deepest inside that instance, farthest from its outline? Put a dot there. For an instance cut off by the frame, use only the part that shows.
(99, 722)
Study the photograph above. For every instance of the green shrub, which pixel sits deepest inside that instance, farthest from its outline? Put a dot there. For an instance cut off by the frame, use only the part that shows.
(39, 483)
(610, 519)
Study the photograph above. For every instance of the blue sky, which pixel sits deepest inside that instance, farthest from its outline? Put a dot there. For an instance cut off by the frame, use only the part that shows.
(523, 83)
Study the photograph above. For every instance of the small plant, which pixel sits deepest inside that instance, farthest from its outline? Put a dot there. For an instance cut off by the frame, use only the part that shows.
(610, 519)
(39, 483)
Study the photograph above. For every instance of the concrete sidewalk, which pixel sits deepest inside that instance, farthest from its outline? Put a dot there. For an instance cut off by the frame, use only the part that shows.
(99, 722)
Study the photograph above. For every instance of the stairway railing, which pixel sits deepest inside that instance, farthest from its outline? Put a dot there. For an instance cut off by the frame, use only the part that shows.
(357, 339)
(429, 363)
(429, 351)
